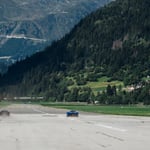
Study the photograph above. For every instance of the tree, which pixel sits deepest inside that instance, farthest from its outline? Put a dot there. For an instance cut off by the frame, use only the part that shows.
(109, 90)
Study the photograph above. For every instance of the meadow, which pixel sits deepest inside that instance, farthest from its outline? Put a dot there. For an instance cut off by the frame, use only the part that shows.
(134, 110)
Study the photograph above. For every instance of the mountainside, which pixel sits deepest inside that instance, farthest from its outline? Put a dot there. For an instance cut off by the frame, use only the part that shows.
(27, 26)
(114, 41)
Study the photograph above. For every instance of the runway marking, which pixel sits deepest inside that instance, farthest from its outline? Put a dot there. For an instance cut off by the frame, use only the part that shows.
(112, 128)
(110, 136)
(71, 119)
(46, 113)
(37, 110)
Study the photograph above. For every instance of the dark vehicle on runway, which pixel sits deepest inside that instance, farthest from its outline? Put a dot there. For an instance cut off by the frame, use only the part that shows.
(72, 113)
(4, 113)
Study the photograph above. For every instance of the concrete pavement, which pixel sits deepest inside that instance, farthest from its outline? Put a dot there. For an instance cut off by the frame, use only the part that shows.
(45, 129)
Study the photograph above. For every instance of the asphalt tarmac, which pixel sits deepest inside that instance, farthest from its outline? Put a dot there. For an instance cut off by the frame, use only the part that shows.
(33, 127)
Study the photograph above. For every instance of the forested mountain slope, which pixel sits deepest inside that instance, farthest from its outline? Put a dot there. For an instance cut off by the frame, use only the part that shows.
(113, 41)
(27, 26)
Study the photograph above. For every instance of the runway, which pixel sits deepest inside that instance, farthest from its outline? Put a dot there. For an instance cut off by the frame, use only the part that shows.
(33, 127)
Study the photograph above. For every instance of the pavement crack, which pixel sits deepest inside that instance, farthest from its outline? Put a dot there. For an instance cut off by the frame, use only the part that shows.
(110, 136)
(104, 146)
(17, 144)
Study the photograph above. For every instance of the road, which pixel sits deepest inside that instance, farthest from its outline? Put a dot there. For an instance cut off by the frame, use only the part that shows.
(32, 127)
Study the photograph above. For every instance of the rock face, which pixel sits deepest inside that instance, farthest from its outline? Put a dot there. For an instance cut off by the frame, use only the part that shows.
(27, 26)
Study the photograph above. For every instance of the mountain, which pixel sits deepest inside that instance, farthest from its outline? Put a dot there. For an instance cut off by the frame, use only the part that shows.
(27, 26)
(114, 41)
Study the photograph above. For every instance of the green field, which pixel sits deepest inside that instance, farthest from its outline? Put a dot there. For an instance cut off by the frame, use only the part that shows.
(102, 83)
(3, 103)
(114, 110)
(99, 85)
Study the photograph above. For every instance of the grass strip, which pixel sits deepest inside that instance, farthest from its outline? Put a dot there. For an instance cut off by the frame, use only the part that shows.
(114, 110)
